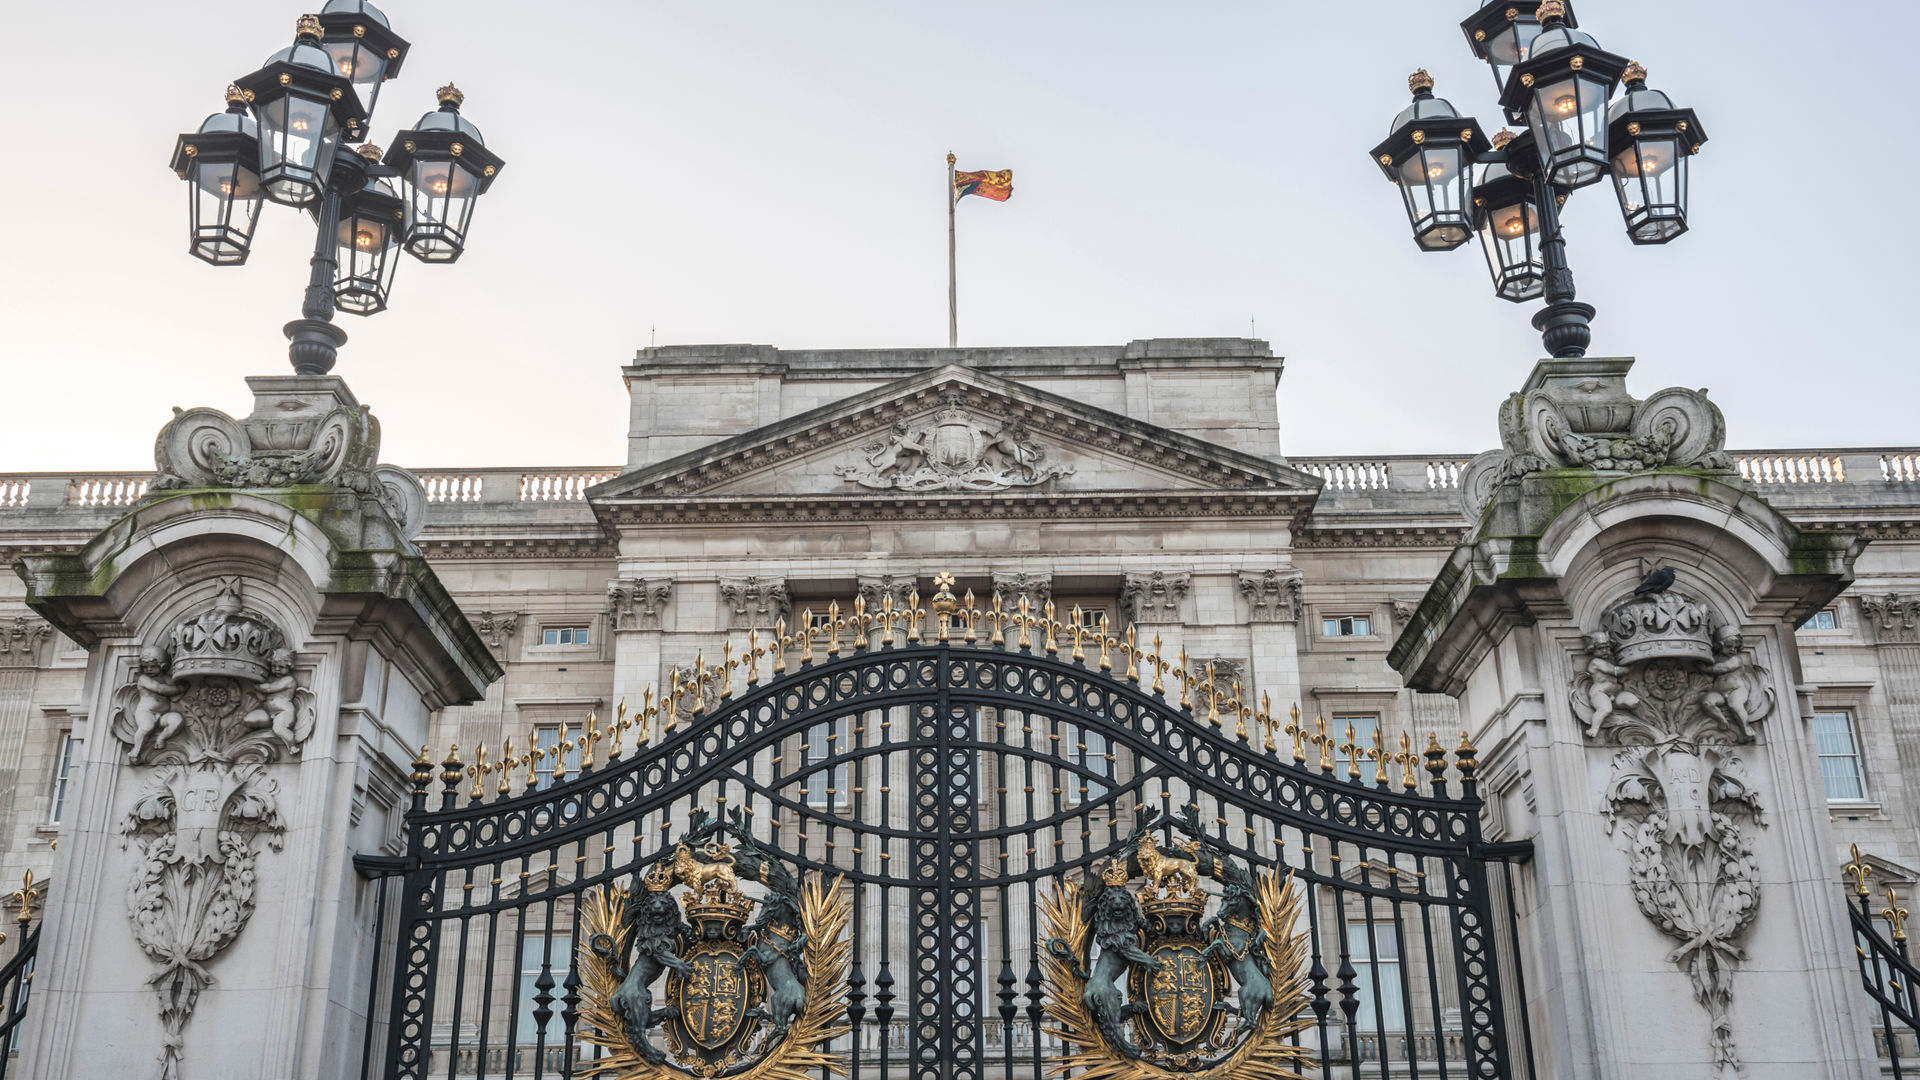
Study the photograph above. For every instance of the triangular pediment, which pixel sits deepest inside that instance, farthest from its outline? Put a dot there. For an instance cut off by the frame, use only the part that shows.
(954, 432)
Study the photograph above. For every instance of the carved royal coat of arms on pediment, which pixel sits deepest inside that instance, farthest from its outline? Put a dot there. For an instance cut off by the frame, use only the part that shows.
(953, 450)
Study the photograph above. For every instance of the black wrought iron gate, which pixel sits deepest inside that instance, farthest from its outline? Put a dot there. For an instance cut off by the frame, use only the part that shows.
(952, 770)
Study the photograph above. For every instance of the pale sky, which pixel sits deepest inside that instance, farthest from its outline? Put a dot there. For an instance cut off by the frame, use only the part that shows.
(772, 171)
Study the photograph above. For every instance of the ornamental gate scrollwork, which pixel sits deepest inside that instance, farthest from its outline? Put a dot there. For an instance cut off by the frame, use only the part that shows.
(947, 843)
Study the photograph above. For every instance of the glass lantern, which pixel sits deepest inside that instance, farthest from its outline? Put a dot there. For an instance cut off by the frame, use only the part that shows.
(1506, 214)
(1429, 156)
(218, 162)
(367, 240)
(1502, 33)
(1562, 88)
(362, 46)
(302, 105)
(446, 167)
(1651, 143)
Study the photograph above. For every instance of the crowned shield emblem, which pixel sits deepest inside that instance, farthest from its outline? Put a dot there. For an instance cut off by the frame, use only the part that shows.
(1207, 996)
(728, 983)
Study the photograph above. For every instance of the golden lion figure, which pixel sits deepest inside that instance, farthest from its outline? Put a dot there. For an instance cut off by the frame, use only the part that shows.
(714, 878)
(1158, 867)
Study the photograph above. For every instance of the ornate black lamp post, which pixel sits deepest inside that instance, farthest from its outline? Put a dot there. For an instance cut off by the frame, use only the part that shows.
(285, 138)
(1559, 82)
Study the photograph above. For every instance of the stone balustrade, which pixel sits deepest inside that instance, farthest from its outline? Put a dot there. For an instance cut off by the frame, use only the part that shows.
(1411, 482)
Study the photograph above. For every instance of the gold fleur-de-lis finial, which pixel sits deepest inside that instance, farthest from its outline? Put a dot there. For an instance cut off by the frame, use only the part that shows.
(479, 770)
(1895, 915)
(1859, 868)
(26, 896)
(507, 761)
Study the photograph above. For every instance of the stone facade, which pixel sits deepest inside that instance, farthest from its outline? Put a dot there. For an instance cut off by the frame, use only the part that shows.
(1144, 482)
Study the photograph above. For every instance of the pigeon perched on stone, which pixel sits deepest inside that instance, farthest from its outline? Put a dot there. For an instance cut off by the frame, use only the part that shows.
(1657, 582)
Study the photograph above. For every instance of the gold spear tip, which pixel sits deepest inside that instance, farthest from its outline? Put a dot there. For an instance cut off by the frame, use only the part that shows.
(1420, 81)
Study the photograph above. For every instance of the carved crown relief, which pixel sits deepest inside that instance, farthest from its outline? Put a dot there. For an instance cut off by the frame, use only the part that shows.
(1670, 686)
(1573, 422)
(203, 715)
(952, 451)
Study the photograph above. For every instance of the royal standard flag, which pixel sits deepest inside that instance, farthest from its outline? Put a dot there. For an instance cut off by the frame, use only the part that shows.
(987, 184)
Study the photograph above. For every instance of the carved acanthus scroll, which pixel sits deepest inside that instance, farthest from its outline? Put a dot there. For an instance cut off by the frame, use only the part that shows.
(1672, 688)
(203, 716)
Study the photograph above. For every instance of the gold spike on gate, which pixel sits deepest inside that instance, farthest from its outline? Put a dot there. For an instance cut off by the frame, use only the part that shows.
(479, 770)
(505, 787)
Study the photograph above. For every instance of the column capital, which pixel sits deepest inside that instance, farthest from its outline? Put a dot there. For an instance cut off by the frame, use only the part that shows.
(1895, 619)
(637, 603)
(875, 589)
(753, 602)
(1011, 585)
(1273, 595)
(20, 640)
(1155, 597)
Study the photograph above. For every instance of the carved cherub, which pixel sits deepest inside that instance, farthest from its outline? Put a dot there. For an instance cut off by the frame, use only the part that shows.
(1732, 692)
(154, 716)
(1604, 696)
(281, 709)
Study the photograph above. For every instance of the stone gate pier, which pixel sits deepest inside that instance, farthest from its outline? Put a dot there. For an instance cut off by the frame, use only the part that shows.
(1618, 626)
(266, 645)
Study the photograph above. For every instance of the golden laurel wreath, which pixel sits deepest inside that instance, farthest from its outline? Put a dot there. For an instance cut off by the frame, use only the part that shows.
(797, 1057)
(1262, 1055)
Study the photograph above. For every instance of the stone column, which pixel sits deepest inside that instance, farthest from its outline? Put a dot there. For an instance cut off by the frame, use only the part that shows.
(1619, 631)
(1895, 622)
(1273, 618)
(22, 641)
(266, 647)
(637, 610)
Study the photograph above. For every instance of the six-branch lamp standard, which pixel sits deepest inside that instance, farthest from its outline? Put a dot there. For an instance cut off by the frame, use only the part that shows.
(1556, 79)
(307, 103)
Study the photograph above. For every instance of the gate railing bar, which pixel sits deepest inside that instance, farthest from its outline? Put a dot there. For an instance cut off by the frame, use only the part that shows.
(16, 985)
(1887, 970)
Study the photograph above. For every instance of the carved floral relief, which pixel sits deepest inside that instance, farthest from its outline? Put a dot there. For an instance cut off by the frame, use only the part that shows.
(203, 717)
(1671, 688)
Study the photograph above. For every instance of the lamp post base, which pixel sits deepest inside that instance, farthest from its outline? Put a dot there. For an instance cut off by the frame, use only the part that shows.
(315, 345)
(1565, 327)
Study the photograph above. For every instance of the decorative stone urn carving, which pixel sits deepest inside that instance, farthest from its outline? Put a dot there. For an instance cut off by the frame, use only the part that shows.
(205, 714)
(1670, 686)
(1580, 416)
(952, 451)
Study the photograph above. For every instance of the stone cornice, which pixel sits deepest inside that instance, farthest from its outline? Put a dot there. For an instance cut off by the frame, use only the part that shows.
(1284, 504)
(518, 547)
(1438, 537)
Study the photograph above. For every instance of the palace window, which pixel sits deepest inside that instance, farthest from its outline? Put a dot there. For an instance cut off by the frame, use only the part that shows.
(548, 739)
(1839, 748)
(1822, 620)
(1376, 958)
(1364, 725)
(1091, 751)
(62, 768)
(1346, 626)
(534, 952)
(564, 635)
(827, 787)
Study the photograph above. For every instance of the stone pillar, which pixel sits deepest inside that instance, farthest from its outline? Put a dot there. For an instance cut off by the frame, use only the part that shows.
(637, 610)
(1895, 622)
(1273, 618)
(1619, 631)
(266, 647)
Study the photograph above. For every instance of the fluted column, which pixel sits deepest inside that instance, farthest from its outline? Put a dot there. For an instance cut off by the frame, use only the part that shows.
(1894, 621)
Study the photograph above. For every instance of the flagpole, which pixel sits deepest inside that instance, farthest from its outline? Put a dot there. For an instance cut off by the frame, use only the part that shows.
(953, 286)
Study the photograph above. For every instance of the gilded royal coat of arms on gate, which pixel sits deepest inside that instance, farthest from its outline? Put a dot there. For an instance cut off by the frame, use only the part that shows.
(1206, 998)
(753, 999)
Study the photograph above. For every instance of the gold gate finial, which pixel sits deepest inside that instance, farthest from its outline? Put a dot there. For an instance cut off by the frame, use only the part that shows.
(1859, 868)
(1895, 915)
